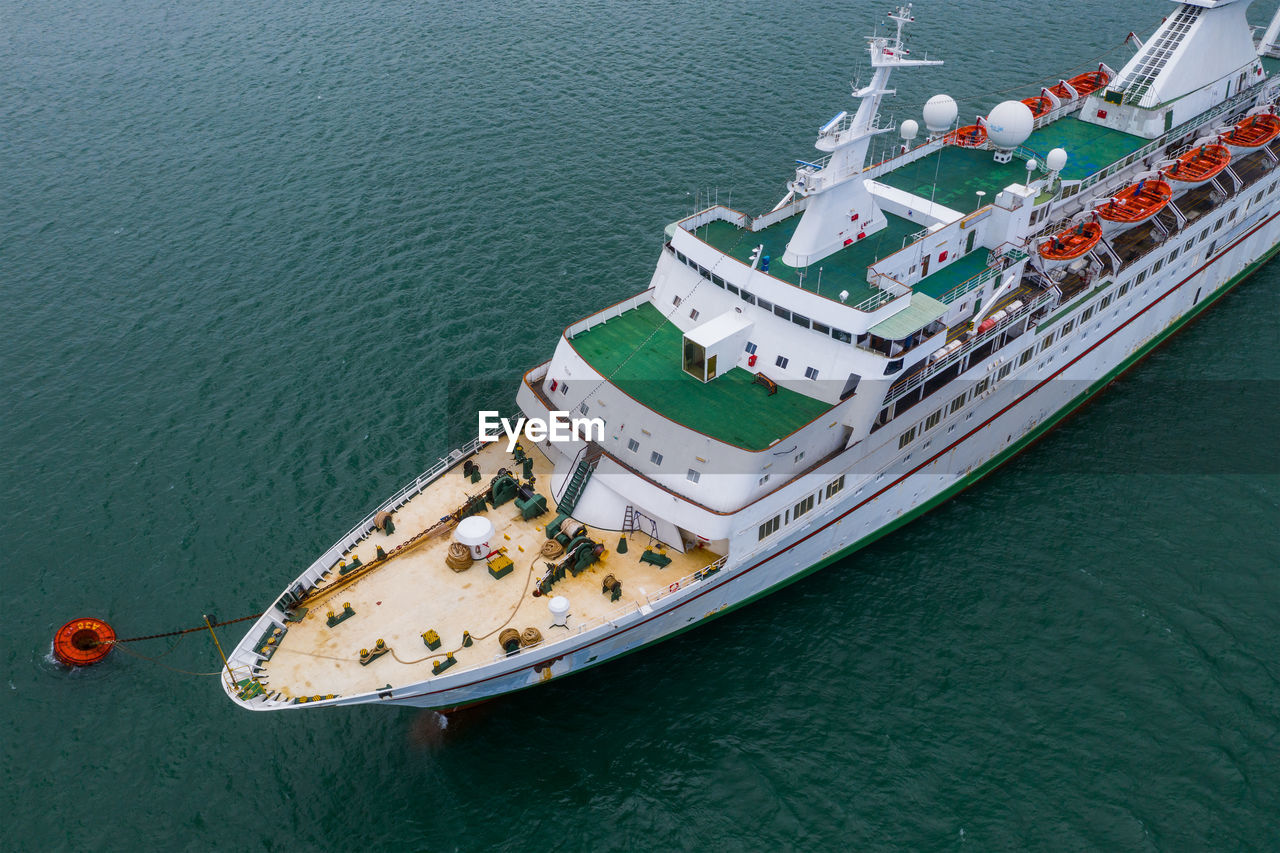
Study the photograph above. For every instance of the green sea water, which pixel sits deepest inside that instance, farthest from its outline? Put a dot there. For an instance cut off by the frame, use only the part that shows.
(258, 263)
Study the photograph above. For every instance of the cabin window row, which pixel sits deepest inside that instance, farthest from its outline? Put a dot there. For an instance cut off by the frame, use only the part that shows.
(803, 507)
(747, 296)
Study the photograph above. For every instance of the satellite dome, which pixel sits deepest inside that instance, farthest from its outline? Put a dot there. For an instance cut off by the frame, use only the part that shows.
(910, 129)
(1010, 124)
(1056, 160)
(940, 113)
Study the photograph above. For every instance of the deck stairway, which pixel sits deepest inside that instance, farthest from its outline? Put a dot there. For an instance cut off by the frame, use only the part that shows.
(578, 481)
(1139, 81)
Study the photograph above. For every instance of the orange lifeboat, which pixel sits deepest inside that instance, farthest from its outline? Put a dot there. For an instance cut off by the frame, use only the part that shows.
(1135, 204)
(1252, 133)
(972, 136)
(1198, 165)
(1039, 105)
(1066, 246)
(1084, 84)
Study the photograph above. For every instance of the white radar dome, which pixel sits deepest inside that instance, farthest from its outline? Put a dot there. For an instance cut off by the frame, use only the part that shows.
(940, 113)
(1010, 124)
(910, 129)
(1056, 160)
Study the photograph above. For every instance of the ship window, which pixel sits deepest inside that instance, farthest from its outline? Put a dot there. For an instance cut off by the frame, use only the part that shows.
(957, 404)
(680, 256)
(842, 336)
(932, 421)
(1106, 300)
(564, 389)
(1232, 216)
(1173, 256)
(1124, 288)
(800, 320)
(906, 438)
(704, 272)
(732, 288)
(693, 476)
(799, 456)
(1088, 312)
(779, 311)
(633, 445)
(655, 457)
(693, 314)
(765, 304)
(811, 373)
(1026, 356)
(675, 300)
(770, 527)
(835, 486)
(818, 327)
(1155, 268)
(751, 348)
(693, 265)
(802, 507)
(980, 386)
(747, 297)
(582, 407)
(1217, 225)
(717, 281)
(1212, 246)
(764, 479)
(1047, 342)
(1142, 276)
(1004, 371)
(782, 362)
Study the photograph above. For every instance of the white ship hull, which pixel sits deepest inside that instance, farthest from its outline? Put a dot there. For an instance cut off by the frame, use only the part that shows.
(860, 458)
(986, 432)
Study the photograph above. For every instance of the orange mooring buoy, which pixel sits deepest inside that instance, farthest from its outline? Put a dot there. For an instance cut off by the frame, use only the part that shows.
(83, 642)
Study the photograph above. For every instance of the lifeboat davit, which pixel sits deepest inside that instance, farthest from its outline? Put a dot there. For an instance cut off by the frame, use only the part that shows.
(1039, 105)
(1084, 84)
(1067, 246)
(1135, 204)
(1252, 133)
(1197, 166)
(971, 136)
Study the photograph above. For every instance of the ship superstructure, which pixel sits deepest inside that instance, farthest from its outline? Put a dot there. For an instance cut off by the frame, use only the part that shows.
(790, 386)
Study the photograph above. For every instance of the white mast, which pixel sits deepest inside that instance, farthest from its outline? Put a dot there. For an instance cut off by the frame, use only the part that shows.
(835, 190)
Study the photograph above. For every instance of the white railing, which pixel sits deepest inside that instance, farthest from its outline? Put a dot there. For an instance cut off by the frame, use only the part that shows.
(971, 284)
(943, 363)
(622, 611)
(686, 581)
(773, 217)
(715, 213)
(877, 169)
(608, 314)
(329, 558)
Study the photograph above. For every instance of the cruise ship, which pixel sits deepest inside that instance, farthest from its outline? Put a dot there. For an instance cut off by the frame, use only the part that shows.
(925, 300)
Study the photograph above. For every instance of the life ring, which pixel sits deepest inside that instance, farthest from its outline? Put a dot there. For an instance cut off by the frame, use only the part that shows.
(83, 642)
(674, 587)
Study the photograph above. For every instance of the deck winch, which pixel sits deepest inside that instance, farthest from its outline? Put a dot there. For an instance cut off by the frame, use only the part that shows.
(581, 551)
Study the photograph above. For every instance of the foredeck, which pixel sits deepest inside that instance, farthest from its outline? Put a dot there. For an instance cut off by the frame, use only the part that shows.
(397, 601)
(953, 176)
(844, 270)
(639, 351)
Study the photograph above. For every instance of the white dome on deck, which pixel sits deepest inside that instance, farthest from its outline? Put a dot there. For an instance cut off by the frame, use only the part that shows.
(940, 113)
(910, 129)
(1010, 124)
(1056, 160)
